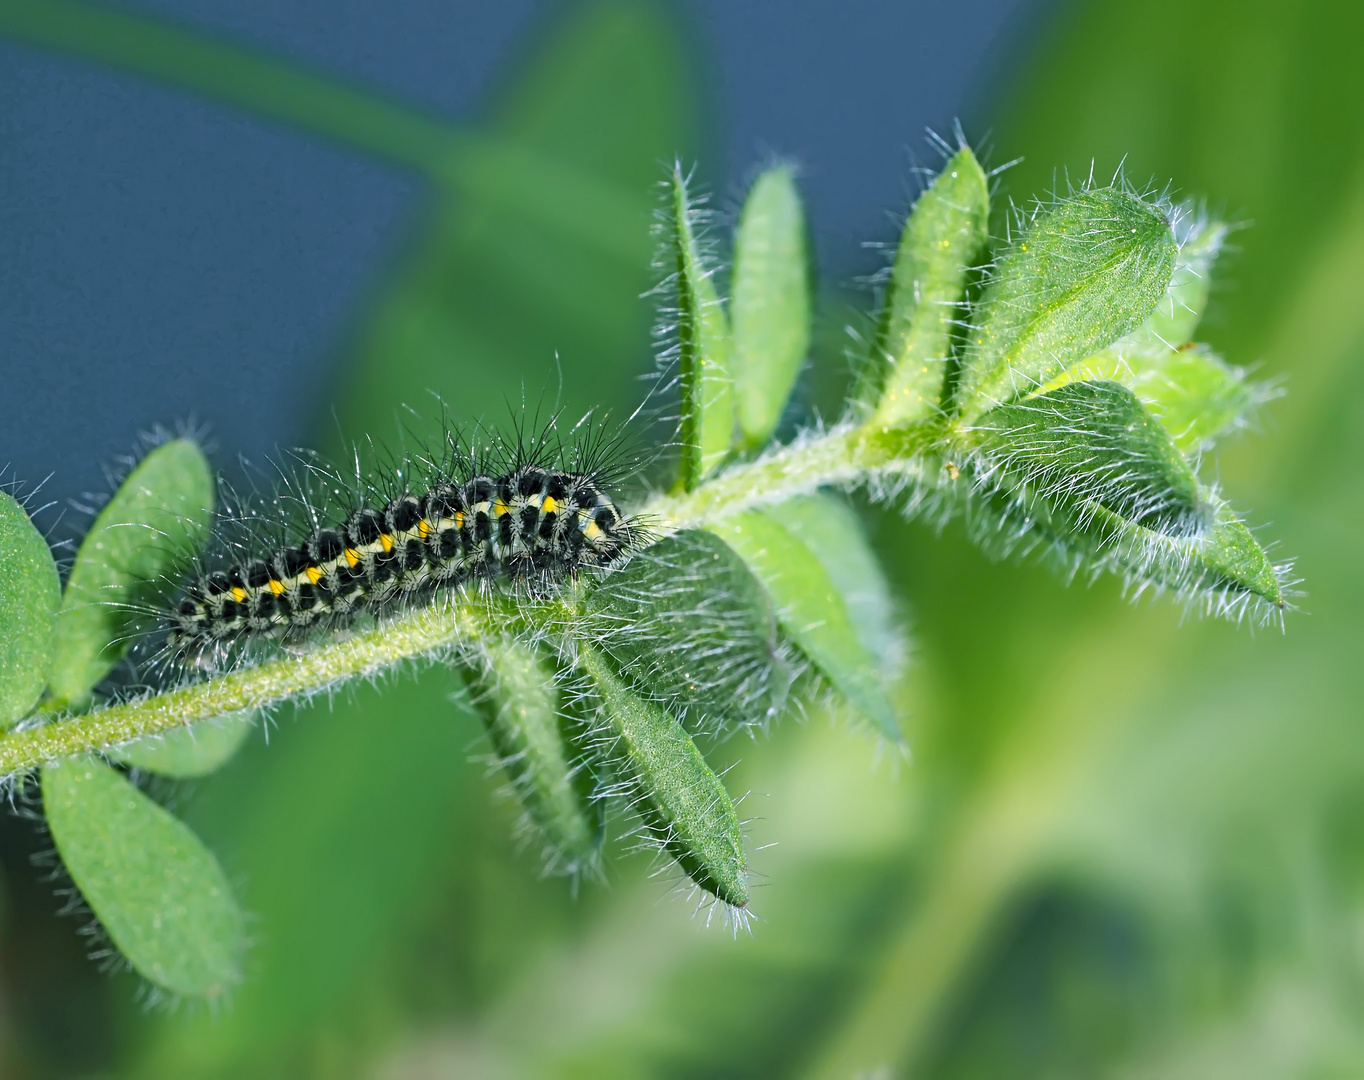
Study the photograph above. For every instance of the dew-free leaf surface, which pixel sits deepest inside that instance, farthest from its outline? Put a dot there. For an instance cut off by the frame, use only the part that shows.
(943, 238)
(30, 594)
(541, 750)
(683, 804)
(156, 890)
(769, 303)
(1080, 274)
(147, 532)
(811, 609)
(703, 341)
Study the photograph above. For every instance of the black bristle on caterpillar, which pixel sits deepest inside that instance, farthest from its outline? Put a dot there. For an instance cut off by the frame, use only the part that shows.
(519, 514)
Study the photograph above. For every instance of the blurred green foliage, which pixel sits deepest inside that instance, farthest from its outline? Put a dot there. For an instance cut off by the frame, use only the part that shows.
(1127, 844)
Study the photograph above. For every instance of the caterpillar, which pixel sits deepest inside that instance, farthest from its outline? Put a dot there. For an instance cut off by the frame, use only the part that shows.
(533, 523)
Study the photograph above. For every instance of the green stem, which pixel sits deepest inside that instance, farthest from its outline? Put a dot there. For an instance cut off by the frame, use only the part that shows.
(420, 633)
(844, 456)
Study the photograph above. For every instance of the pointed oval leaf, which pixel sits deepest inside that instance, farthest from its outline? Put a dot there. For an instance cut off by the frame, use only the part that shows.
(1232, 566)
(1081, 273)
(541, 749)
(812, 610)
(1224, 571)
(30, 593)
(1085, 474)
(151, 528)
(1195, 394)
(769, 304)
(685, 807)
(688, 625)
(943, 238)
(155, 888)
(187, 752)
(1179, 311)
(834, 534)
(1090, 446)
(703, 340)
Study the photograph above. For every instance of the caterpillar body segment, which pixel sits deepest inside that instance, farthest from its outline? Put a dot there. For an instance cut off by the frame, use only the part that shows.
(530, 524)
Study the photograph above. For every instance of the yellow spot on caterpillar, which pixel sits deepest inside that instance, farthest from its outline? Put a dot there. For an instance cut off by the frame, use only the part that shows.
(276, 587)
(549, 505)
(386, 541)
(352, 556)
(238, 594)
(314, 574)
(500, 508)
(459, 519)
(592, 530)
(423, 528)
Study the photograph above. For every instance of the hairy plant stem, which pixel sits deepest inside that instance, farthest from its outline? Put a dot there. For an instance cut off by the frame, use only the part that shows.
(844, 456)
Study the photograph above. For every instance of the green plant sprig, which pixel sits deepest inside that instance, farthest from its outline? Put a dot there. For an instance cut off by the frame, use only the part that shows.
(1059, 406)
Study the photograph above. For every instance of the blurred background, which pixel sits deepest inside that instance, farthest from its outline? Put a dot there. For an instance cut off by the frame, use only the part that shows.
(1127, 843)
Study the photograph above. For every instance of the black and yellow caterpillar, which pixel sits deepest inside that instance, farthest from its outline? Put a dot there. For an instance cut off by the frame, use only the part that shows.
(530, 524)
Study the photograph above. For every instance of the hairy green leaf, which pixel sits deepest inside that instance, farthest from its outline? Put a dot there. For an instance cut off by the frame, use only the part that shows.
(1176, 317)
(684, 806)
(1092, 445)
(812, 610)
(191, 751)
(769, 304)
(834, 533)
(1081, 273)
(1195, 394)
(30, 593)
(155, 522)
(155, 888)
(1087, 472)
(541, 749)
(1223, 571)
(704, 345)
(687, 624)
(944, 236)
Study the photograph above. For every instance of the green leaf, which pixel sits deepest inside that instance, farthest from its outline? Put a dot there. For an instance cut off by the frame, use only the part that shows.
(1195, 394)
(703, 345)
(30, 592)
(685, 807)
(1087, 471)
(834, 534)
(812, 610)
(541, 749)
(1176, 317)
(1223, 571)
(1082, 272)
(688, 625)
(187, 752)
(155, 888)
(1092, 445)
(769, 303)
(151, 528)
(944, 236)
